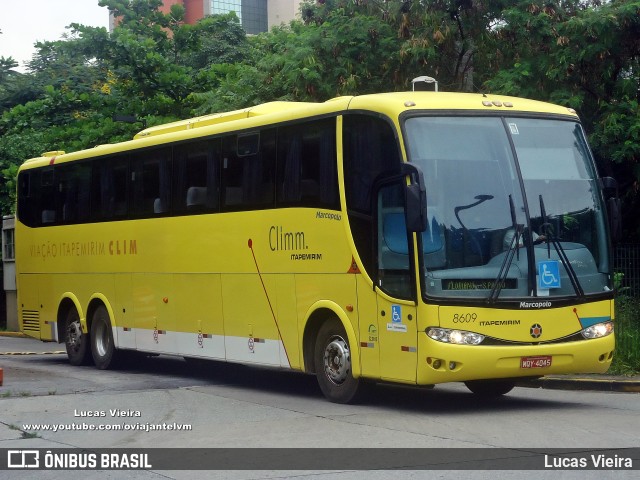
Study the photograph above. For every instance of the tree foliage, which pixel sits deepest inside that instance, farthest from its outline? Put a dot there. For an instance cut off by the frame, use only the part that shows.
(586, 55)
(580, 53)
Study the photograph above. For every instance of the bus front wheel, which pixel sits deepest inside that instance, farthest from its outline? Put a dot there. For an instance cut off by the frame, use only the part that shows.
(102, 345)
(490, 388)
(333, 364)
(75, 340)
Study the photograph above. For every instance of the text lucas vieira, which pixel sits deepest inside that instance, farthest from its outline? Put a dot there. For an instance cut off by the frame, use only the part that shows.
(103, 413)
(592, 461)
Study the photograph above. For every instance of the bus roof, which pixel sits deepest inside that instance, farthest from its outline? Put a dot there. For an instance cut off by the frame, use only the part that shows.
(399, 102)
(390, 104)
(224, 117)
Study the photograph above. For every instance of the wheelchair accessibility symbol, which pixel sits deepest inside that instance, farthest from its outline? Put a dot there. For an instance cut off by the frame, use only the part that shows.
(396, 314)
(549, 274)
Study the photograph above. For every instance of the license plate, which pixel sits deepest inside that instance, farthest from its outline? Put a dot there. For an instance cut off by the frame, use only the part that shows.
(535, 362)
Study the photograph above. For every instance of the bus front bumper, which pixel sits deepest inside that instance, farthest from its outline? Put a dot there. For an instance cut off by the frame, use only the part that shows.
(443, 362)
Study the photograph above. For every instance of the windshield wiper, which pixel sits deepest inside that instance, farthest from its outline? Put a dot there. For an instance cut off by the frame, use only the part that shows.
(508, 258)
(557, 245)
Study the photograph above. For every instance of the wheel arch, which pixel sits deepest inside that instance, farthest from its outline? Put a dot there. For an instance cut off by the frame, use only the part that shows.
(319, 313)
(67, 302)
(96, 300)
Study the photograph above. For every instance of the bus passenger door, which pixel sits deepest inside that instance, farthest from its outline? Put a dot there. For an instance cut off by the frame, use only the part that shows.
(397, 336)
(395, 287)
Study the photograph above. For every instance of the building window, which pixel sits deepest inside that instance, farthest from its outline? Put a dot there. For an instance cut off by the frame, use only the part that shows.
(8, 243)
(222, 7)
(252, 14)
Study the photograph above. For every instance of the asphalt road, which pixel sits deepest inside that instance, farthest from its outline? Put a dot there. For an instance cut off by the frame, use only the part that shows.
(226, 406)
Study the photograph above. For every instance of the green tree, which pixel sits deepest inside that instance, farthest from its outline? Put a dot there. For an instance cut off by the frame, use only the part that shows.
(586, 55)
(150, 66)
(445, 39)
(9, 82)
(334, 51)
(214, 40)
(157, 61)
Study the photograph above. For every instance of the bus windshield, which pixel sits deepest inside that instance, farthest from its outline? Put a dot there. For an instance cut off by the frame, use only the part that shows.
(513, 208)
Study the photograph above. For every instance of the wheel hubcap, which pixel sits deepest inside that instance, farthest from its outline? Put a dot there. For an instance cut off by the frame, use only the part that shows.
(74, 335)
(337, 360)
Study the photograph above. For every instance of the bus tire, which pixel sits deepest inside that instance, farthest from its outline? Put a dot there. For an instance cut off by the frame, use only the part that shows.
(103, 347)
(490, 388)
(75, 340)
(332, 359)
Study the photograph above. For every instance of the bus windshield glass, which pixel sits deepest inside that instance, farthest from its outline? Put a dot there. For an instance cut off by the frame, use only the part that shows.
(513, 208)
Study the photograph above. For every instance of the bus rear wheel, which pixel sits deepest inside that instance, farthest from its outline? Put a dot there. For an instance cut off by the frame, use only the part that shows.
(75, 340)
(103, 348)
(333, 365)
(490, 388)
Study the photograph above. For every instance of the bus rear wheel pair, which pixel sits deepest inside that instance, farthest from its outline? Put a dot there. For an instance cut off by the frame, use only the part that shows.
(97, 346)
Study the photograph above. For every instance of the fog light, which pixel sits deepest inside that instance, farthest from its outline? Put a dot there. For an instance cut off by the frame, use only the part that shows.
(437, 364)
(598, 330)
(452, 365)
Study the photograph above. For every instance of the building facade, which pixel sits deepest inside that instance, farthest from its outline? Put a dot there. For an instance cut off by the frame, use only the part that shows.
(9, 296)
(256, 16)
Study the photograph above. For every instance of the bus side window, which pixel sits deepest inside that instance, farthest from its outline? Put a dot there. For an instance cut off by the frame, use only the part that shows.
(307, 168)
(28, 208)
(196, 174)
(248, 170)
(48, 200)
(110, 182)
(370, 148)
(74, 192)
(394, 275)
(151, 182)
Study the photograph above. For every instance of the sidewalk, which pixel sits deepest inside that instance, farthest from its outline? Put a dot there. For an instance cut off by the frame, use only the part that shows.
(15, 343)
(585, 381)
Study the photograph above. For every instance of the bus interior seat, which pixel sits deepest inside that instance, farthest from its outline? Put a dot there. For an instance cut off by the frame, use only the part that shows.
(48, 216)
(196, 196)
(158, 206)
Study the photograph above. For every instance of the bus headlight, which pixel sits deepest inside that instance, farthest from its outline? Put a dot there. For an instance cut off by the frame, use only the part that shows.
(598, 330)
(458, 337)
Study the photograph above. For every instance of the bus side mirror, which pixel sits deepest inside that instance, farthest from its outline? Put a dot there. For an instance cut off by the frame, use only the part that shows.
(614, 206)
(415, 199)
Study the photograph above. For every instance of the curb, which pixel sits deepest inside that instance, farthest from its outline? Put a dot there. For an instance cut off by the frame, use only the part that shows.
(581, 383)
(12, 334)
(57, 352)
(22, 335)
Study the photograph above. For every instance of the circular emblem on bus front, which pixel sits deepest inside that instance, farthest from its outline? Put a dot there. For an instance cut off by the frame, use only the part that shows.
(536, 330)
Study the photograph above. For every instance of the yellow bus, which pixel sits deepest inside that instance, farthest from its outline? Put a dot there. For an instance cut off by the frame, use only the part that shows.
(416, 238)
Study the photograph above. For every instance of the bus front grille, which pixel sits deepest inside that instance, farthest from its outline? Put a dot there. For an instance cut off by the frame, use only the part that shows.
(31, 320)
